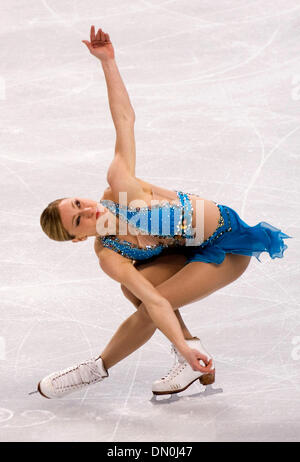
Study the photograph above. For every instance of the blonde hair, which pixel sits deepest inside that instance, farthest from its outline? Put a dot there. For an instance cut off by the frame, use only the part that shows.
(51, 223)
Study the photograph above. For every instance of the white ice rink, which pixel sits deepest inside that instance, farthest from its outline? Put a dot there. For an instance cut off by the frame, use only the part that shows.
(216, 91)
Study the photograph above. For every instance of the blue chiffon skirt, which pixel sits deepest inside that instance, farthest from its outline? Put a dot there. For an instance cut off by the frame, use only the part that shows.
(233, 235)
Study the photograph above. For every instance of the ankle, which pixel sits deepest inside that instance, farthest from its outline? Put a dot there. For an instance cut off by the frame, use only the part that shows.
(103, 363)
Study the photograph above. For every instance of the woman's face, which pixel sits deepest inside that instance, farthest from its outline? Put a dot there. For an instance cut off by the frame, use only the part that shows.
(78, 216)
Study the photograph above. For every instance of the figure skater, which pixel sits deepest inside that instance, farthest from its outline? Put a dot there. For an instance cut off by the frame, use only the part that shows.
(158, 270)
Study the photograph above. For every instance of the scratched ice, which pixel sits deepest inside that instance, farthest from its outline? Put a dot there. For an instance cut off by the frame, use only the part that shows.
(216, 91)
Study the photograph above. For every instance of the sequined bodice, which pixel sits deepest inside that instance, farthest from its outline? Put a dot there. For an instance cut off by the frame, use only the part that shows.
(159, 226)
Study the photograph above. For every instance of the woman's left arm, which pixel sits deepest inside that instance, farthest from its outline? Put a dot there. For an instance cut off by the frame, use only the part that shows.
(158, 308)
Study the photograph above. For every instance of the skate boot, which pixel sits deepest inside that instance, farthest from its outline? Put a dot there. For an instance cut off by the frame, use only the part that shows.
(61, 383)
(181, 375)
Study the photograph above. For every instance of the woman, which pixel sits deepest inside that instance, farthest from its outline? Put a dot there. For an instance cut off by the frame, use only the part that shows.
(161, 262)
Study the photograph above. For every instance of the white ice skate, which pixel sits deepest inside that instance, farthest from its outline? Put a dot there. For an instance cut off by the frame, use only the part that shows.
(61, 383)
(181, 376)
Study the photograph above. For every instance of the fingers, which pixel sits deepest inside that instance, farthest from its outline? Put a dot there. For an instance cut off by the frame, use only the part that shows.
(207, 368)
(92, 35)
(99, 37)
(200, 356)
(87, 44)
(207, 365)
(202, 363)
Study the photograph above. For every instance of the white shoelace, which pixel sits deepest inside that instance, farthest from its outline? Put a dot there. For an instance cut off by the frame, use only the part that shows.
(177, 367)
(179, 364)
(76, 377)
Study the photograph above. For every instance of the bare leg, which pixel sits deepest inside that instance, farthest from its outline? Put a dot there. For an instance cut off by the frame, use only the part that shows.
(137, 302)
(131, 335)
(138, 328)
(192, 282)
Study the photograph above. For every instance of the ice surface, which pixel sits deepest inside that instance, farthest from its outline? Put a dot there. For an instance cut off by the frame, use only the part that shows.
(216, 91)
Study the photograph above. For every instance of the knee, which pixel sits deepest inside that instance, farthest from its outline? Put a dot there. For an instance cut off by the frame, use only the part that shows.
(130, 296)
(144, 317)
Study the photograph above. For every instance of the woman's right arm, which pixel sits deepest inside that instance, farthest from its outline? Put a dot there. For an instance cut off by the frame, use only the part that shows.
(122, 112)
(156, 306)
(119, 102)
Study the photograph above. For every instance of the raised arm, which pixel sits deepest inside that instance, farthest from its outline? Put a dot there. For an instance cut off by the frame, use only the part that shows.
(119, 102)
(122, 112)
(158, 307)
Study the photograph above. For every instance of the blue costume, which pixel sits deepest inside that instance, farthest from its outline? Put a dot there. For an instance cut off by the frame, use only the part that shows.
(174, 222)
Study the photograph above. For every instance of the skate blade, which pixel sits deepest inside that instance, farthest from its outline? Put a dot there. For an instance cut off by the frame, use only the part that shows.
(38, 391)
(33, 392)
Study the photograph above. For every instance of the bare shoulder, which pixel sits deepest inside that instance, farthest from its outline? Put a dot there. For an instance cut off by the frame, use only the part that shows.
(136, 188)
(132, 187)
(137, 184)
(114, 264)
(105, 254)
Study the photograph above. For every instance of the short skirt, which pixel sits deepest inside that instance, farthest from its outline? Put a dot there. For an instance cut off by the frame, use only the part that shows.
(233, 235)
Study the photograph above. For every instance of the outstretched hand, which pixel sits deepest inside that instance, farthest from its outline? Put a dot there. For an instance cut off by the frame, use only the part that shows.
(194, 357)
(100, 45)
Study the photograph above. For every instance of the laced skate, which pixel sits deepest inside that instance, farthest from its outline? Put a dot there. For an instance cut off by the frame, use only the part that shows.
(181, 375)
(61, 383)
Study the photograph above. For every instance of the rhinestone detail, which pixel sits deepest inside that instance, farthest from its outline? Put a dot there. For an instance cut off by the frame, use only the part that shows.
(215, 235)
(181, 232)
(133, 251)
(182, 212)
